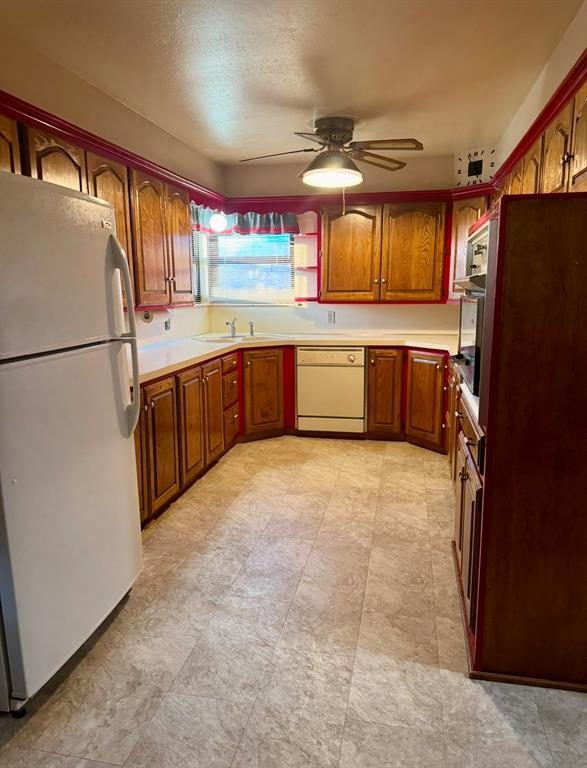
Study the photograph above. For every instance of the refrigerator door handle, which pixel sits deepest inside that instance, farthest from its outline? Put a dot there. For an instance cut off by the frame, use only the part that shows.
(121, 263)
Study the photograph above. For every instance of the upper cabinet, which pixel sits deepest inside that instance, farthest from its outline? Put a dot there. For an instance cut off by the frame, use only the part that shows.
(557, 143)
(351, 253)
(578, 159)
(9, 148)
(179, 244)
(108, 180)
(162, 237)
(412, 252)
(151, 276)
(56, 160)
(517, 178)
(464, 214)
(531, 169)
(383, 253)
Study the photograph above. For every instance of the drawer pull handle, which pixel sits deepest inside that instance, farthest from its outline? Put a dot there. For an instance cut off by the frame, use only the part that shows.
(235, 381)
(235, 417)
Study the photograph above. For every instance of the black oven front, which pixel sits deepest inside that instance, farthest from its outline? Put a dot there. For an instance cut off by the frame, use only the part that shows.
(470, 339)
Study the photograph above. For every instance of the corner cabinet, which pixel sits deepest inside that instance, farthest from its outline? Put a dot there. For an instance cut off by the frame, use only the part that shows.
(424, 399)
(351, 253)
(9, 146)
(53, 159)
(264, 410)
(393, 252)
(412, 253)
(384, 392)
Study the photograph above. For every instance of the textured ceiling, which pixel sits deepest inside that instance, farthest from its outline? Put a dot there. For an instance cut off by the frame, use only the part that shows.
(235, 78)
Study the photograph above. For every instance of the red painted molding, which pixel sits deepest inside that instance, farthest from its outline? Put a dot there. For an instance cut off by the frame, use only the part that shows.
(27, 113)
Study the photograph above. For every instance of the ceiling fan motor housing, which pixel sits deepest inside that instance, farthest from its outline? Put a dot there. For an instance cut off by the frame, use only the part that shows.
(335, 130)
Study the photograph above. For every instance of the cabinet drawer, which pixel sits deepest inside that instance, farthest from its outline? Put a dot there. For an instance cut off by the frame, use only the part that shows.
(229, 363)
(231, 425)
(229, 389)
(473, 435)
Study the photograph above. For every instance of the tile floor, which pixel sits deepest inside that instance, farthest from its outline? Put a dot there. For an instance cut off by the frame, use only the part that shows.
(297, 609)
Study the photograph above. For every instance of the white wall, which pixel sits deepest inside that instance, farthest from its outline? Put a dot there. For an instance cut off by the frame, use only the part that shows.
(185, 321)
(30, 76)
(558, 66)
(271, 179)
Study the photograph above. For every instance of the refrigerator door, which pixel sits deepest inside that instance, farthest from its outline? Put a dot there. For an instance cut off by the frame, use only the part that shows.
(59, 282)
(70, 545)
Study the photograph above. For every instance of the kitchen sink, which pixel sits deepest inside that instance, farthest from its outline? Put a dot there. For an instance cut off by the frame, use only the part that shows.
(222, 338)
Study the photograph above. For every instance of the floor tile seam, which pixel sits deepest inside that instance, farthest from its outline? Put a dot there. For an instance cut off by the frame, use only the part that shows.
(552, 755)
(442, 694)
(356, 649)
(222, 699)
(76, 757)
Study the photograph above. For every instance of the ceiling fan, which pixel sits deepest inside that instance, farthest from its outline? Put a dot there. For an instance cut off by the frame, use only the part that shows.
(334, 166)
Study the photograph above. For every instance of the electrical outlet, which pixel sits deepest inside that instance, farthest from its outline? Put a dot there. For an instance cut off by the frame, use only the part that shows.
(331, 317)
(168, 324)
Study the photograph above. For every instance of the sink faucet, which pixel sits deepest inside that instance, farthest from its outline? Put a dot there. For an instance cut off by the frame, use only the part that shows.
(232, 326)
(252, 327)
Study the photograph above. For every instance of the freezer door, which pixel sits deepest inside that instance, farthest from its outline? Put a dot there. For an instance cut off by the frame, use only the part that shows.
(70, 545)
(59, 287)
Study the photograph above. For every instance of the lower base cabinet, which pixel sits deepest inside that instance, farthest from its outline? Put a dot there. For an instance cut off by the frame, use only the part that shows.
(191, 425)
(264, 411)
(213, 411)
(424, 399)
(384, 392)
(141, 461)
(162, 443)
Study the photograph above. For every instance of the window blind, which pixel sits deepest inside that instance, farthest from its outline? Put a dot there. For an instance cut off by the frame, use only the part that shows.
(250, 269)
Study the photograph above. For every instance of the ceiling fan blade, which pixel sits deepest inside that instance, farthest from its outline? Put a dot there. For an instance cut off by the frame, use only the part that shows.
(277, 154)
(388, 163)
(382, 144)
(311, 137)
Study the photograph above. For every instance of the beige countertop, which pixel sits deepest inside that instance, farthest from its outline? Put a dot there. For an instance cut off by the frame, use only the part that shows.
(163, 358)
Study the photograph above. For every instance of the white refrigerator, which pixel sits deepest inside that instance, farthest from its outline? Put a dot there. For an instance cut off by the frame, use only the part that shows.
(70, 545)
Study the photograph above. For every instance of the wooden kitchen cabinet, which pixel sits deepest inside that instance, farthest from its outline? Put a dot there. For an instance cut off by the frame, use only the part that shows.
(9, 146)
(191, 425)
(532, 167)
(178, 224)
(148, 227)
(384, 392)
(108, 180)
(424, 399)
(578, 159)
(56, 160)
(464, 214)
(557, 145)
(142, 461)
(468, 526)
(264, 410)
(213, 411)
(412, 252)
(162, 442)
(351, 253)
(517, 178)
(451, 419)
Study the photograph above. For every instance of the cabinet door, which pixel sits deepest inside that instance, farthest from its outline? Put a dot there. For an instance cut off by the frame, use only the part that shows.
(141, 461)
(384, 391)
(56, 160)
(214, 416)
(162, 438)
(555, 171)
(464, 214)
(578, 172)
(109, 181)
(9, 148)
(470, 527)
(148, 219)
(532, 167)
(517, 179)
(263, 391)
(460, 468)
(231, 425)
(179, 244)
(351, 253)
(191, 425)
(452, 424)
(424, 399)
(412, 252)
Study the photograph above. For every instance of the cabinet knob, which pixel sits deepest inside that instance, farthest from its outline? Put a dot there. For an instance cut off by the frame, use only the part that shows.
(235, 381)
(248, 365)
(463, 475)
(438, 367)
(372, 361)
(145, 407)
(152, 403)
(376, 281)
(235, 417)
(383, 281)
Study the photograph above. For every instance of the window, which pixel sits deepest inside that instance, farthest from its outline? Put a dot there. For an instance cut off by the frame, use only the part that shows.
(247, 269)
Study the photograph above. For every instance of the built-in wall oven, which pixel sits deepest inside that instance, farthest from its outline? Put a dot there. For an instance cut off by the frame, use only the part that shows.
(471, 339)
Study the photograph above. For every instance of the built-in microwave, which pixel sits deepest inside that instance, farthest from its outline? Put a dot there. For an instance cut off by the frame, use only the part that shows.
(471, 339)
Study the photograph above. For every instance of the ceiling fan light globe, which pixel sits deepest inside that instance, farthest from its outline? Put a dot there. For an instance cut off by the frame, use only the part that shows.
(332, 170)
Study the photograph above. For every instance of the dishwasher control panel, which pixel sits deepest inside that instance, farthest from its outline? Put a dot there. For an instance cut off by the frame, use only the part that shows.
(332, 356)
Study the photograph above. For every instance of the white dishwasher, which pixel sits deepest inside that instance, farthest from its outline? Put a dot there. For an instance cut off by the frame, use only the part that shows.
(331, 389)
